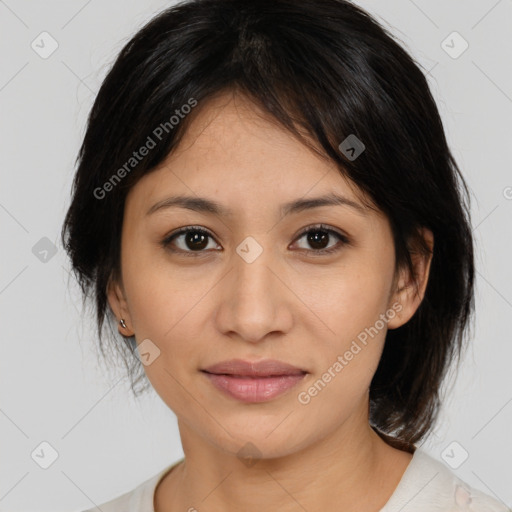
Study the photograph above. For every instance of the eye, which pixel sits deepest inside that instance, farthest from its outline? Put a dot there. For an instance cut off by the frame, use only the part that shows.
(190, 240)
(194, 240)
(319, 236)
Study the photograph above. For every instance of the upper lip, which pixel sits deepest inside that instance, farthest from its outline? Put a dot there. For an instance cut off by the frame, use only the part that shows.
(264, 368)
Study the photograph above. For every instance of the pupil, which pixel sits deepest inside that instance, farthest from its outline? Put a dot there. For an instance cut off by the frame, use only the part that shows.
(314, 240)
(193, 238)
(197, 241)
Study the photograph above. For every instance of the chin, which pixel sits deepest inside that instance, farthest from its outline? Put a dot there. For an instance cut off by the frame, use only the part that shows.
(257, 444)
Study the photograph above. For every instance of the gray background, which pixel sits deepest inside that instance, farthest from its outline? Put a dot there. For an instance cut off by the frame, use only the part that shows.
(53, 389)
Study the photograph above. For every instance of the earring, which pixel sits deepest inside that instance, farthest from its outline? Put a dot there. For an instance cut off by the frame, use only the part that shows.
(123, 323)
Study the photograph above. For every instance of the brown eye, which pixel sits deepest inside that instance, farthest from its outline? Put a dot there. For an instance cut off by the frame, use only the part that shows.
(318, 239)
(194, 241)
(188, 240)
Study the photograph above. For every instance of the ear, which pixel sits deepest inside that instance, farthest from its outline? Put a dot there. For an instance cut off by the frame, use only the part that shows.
(410, 290)
(118, 304)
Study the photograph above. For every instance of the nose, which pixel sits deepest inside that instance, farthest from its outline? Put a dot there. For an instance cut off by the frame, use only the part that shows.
(255, 300)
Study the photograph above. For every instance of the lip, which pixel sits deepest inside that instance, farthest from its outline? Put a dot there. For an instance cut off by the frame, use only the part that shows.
(263, 368)
(254, 382)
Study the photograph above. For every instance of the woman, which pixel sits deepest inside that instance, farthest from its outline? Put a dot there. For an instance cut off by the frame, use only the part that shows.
(267, 207)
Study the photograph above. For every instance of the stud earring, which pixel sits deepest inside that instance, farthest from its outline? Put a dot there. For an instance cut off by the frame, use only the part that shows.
(123, 323)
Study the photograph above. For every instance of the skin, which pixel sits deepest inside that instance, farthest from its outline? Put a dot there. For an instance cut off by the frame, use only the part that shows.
(289, 304)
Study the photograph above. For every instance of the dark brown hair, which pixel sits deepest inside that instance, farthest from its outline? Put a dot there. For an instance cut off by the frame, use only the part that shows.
(324, 68)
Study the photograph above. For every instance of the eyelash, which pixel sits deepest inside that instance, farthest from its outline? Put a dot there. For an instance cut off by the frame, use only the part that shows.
(317, 227)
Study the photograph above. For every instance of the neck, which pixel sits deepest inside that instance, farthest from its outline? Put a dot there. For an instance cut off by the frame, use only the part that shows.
(334, 473)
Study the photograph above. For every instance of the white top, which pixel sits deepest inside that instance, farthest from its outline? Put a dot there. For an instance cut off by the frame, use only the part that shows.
(427, 485)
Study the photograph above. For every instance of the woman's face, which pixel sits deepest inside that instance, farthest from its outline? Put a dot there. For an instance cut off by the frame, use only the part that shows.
(257, 286)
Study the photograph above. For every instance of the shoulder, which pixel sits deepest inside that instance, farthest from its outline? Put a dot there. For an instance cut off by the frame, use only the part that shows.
(429, 485)
(140, 499)
(130, 501)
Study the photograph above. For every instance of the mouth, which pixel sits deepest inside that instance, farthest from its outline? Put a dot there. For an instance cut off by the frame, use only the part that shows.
(254, 382)
(263, 368)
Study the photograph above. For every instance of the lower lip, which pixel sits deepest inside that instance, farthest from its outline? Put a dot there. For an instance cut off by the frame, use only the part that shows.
(260, 389)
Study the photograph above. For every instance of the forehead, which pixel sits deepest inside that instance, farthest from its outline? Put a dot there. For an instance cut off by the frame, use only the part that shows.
(234, 152)
(231, 127)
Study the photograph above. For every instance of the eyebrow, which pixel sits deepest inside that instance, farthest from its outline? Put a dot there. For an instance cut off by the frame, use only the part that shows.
(204, 205)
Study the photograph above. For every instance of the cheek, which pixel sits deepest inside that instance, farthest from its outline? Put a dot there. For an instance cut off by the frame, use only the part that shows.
(351, 301)
(172, 308)
(168, 307)
(168, 311)
(158, 294)
(352, 305)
